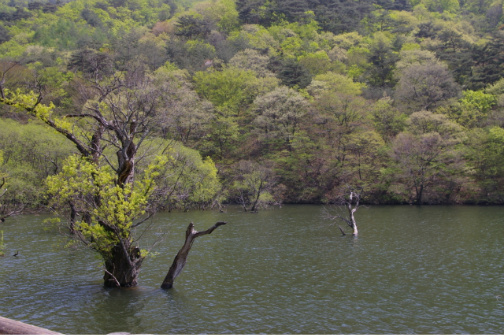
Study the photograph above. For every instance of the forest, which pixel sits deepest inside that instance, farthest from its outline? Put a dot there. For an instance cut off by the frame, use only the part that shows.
(250, 102)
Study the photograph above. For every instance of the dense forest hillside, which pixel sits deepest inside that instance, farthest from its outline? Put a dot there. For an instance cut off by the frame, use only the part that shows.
(294, 101)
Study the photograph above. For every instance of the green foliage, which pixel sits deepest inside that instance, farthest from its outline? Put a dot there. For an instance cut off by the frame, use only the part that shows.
(119, 207)
(414, 56)
(348, 40)
(256, 37)
(497, 91)
(474, 108)
(222, 13)
(191, 55)
(361, 73)
(223, 134)
(441, 6)
(296, 40)
(291, 73)
(335, 83)
(253, 185)
(4, 34)
(317, 62)
(484, 150)
(105, 201)
(422, 163)
(487, 61)
(382, 59)
(186, 180)
(232, 89)
(189, 115)
(250, 59)
(15, 47)
(357, 61)
(365, 154)
(189, 26)
(425, 122)
(425, 86)
(30, 154)
(279, 114)
(64, 34)
(91, 63)
(387, 119)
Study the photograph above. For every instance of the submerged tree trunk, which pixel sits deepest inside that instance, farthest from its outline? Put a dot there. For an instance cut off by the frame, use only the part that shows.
(253, 208)
(351, 204)
(123, 266)
(181, 258)
(351, 212)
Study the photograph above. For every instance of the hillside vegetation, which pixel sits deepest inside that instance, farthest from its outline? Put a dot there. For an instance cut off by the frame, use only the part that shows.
(295, 101)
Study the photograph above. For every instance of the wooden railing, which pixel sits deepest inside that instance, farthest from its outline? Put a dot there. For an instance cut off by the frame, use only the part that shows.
(8, 326)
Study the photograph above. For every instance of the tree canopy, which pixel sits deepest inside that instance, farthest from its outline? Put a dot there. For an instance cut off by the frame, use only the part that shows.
(321, 95)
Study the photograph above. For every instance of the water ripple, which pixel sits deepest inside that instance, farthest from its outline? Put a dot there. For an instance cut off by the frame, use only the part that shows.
(412, 270)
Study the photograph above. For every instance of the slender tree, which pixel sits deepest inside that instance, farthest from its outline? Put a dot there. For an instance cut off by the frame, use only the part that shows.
(253, 185)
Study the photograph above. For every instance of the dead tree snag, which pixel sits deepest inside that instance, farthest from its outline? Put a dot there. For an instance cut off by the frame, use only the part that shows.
(181, 258)
(351, 205)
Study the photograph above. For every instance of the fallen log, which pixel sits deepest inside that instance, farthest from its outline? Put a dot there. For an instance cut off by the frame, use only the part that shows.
(8, 326)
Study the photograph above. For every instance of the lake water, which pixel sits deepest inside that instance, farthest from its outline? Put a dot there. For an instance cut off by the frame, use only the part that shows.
(288, 270)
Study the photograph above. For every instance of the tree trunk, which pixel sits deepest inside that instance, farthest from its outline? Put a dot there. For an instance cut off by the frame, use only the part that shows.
(419, 194)
(242, 201)
(351, 212)
(352, 205)
(258, 195)
(126, 172)
(73, 216)
(126, 161)
(181, 258)
(352, 221)
(122, 266)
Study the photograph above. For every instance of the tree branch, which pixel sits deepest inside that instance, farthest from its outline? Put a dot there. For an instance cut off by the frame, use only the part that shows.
(209, 230)
(12, 213)
(98, 118)
(113, 277)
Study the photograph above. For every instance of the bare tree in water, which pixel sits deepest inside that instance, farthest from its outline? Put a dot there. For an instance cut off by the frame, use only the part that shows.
(351, 204)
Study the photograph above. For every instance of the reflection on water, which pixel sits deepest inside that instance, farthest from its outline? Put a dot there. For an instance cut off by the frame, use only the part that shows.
(412, 270)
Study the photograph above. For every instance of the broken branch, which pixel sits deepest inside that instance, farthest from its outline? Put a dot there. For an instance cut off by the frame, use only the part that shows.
(181, 258)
